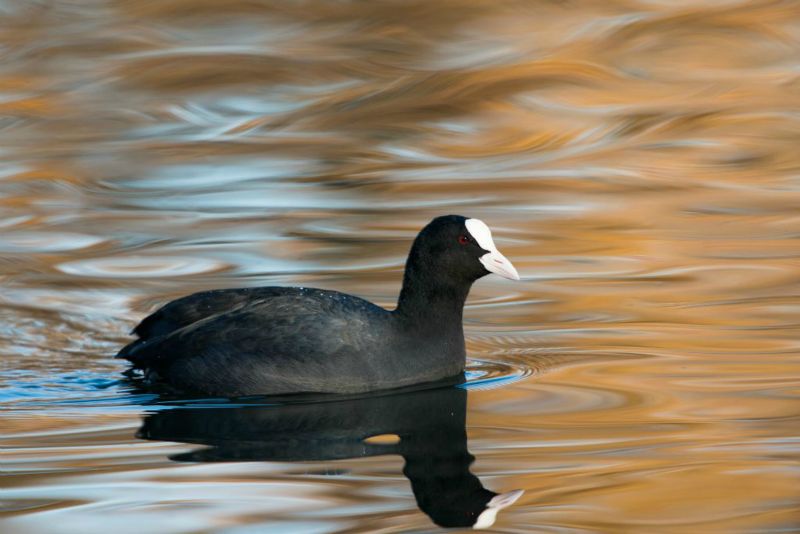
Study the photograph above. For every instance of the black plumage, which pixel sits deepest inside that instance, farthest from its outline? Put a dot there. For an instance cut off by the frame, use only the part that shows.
(281, 340)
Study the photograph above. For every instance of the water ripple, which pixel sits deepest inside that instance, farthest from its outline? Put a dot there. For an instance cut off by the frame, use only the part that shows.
(637, 161)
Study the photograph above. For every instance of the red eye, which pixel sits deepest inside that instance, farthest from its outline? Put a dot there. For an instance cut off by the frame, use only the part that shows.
(463, 240)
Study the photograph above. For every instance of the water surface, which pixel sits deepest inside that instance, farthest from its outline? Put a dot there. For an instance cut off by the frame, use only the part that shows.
(637, 161)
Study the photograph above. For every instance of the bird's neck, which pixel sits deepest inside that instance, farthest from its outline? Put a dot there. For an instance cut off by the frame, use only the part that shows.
(429, 299)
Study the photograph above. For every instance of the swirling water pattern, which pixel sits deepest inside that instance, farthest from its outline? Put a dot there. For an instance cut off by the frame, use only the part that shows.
(637, 160)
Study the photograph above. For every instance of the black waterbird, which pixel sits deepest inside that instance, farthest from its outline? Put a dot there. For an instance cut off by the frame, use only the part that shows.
(282, 340)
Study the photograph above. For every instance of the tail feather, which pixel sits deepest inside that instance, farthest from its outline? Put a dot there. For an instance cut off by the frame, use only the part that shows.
(129, 351)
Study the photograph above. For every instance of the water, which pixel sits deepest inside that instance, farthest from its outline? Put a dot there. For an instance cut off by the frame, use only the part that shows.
(637, 161)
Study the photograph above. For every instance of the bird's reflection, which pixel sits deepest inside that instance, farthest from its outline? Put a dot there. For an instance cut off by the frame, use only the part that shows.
(429, 423)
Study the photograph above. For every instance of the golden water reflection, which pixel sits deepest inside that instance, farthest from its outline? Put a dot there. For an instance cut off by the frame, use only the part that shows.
(637, 161)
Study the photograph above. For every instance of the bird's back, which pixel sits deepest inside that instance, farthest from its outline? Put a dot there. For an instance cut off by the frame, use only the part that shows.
(266, 340)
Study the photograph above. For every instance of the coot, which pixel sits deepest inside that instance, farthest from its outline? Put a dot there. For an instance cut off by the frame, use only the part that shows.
(283, 340)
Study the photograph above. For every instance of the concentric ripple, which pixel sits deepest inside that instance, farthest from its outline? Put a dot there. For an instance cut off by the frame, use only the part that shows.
(485, 374)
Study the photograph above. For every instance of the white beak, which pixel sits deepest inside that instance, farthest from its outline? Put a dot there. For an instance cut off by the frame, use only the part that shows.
(493, 261)
(498, 264)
